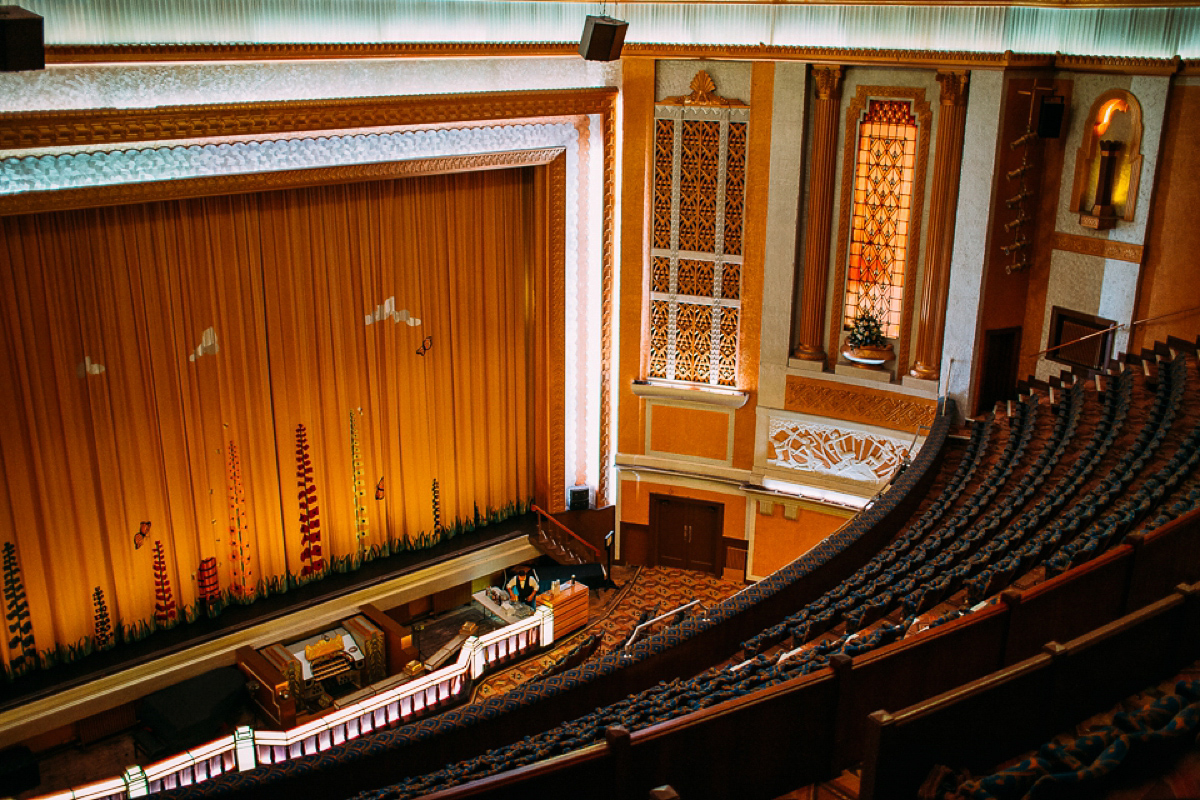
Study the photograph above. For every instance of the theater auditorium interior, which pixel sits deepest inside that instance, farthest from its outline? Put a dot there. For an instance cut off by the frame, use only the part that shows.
(520, 398)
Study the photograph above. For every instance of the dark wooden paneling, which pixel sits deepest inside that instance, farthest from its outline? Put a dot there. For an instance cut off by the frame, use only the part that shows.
(1020, 707)
(796, 716)
(591, 525)
(1106, 665)
(974, 726)
(915, 669)
(1068, 605)
(636, 546)
(1164, 559)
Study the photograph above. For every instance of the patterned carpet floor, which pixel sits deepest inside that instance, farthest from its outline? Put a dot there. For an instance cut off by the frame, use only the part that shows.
(614, 614)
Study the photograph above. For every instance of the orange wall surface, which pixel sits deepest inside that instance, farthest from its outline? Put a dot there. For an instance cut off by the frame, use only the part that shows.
(689, 432)
(1169, 274)
(779, 541)
(635, 504)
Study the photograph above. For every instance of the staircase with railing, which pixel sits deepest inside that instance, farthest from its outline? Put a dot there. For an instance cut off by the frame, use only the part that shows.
(561, 543)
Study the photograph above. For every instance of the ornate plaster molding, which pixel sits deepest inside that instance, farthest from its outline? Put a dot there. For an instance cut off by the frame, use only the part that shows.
(828, 81)
(832, 452)
(116, 53)
(954, 87)
(1118, 64)
(243, 183)
(135, 165)
(704, 93)
(121, 125)
(884, 409)
(607, 272)
(556, 374)
(1095, 246)
(150, 53)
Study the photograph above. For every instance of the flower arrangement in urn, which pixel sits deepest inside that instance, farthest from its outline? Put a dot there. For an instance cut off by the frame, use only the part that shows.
(866, 345)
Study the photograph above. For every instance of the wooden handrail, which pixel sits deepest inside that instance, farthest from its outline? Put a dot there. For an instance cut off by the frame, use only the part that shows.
(570, 532)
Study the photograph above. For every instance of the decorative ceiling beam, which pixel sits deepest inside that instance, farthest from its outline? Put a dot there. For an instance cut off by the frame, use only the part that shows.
(21, 130)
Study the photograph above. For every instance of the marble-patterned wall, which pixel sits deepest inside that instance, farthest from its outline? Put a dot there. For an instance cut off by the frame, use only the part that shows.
(783, 217)
(1092, 283)
(960, 343)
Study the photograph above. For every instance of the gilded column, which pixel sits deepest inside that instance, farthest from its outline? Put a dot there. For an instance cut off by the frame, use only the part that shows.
(939, 243)
(821, 176)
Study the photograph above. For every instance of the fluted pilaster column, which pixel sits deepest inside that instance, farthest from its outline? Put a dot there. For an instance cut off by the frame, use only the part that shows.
(819, 212)
(939, 243)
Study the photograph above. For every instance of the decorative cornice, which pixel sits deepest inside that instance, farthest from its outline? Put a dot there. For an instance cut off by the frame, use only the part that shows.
(111, 126)
(848, 56)
(110, 53)
(828, 81)
(243, 183)
(1119, 65)
(954, 87)
(1093, 246)
(858, 404)
(135, 53)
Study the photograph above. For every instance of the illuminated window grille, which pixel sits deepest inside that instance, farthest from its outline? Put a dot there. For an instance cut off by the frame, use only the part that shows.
(883, 184)
(696, 254)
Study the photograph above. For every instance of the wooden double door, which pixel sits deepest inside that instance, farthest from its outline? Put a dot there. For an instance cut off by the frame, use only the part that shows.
(687, 533)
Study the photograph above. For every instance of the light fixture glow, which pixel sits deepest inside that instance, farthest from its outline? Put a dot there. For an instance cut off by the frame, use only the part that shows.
(1104, 118)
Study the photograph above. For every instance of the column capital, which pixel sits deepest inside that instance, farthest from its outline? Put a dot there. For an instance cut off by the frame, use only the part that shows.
(828, 79)
(954, 87)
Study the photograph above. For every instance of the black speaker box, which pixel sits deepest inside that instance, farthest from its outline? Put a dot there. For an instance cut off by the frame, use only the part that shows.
(1050, 116)
(579, 498)
(602, 38)
(22, 46)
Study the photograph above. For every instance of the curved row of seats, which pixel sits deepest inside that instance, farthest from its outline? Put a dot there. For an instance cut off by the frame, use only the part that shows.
(944, 548)
(1026, 487)
(929, 559)
(1082, 765)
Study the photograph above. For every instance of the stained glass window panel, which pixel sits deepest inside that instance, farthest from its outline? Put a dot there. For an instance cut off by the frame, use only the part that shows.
(883, 180)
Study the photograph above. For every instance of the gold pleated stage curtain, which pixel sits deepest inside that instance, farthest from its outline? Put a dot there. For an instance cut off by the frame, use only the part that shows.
(230, 378)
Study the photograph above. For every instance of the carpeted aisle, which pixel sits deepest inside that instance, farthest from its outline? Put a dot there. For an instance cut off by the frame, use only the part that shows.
(615, 614)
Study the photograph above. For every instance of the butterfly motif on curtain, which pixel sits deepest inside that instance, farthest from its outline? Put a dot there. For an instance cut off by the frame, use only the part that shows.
(139, 538)
(379, 490)
(425, 346)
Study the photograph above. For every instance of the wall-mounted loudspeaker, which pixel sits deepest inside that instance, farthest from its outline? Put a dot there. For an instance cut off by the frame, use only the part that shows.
(21, 42)
(602, 38)
(579, 497)
(1050, 116)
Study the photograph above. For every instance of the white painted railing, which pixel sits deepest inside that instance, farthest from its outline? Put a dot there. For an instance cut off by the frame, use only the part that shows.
(247, 748)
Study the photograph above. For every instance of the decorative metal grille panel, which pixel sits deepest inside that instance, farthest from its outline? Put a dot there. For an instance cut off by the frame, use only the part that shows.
(695, 277)
(698, 231)
(727, 347)
(693, 333)
(658, 338)
(735, 188)
(883, 180)
(664, 145)
(660, 274)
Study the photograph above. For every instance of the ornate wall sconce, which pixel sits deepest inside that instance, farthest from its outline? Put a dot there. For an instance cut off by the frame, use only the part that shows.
(1107, 171)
